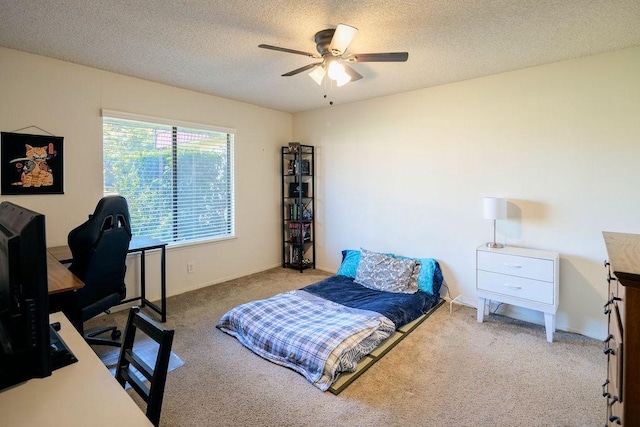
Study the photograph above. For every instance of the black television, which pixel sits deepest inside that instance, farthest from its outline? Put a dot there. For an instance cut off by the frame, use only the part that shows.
(24, 297)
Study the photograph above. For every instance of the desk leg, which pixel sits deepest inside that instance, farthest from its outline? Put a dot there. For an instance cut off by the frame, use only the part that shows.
(163, 285)
(76, 317)
(143, 275)
(69, 303)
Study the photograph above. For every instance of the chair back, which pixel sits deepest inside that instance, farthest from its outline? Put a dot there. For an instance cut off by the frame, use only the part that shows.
(156, 375)
(99, 248)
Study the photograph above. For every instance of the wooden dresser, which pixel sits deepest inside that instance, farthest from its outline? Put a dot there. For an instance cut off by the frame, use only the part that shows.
(622, 345)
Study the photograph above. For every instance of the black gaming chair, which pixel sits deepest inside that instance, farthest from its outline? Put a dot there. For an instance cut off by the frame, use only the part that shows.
(99, 248)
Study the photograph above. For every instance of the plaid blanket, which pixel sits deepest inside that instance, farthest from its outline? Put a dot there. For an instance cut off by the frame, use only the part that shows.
(311, 335)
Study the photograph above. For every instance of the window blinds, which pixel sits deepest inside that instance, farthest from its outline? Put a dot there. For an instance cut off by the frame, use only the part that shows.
(177, 180)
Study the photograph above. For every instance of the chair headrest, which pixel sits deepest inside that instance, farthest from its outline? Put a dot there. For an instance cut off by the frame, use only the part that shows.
(113, 211)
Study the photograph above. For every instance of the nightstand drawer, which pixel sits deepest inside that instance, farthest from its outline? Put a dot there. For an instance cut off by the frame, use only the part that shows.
(513, 265)
(533, 290)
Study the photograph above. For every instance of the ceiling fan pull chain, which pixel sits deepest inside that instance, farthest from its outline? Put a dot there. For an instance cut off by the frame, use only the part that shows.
(329, 85)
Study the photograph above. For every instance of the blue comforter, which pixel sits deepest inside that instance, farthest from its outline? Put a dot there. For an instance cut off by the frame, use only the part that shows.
(399, 308)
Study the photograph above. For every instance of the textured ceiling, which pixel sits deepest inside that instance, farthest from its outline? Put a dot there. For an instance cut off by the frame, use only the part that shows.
(211, 46)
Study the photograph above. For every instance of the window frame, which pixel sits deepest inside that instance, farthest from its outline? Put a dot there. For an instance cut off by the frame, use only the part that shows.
(113, 114)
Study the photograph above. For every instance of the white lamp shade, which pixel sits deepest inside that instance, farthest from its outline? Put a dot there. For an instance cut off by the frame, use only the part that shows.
(342, 37)
(318, 74)
(336, 71)
(343, 79)
(494, 208)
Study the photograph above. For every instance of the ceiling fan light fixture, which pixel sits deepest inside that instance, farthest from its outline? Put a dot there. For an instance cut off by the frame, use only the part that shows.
(343, 80)
(331, 45)
(337, 72)
(342, 37)
(317, 74)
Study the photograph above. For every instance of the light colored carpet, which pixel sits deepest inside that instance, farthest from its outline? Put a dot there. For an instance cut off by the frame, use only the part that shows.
(450, 371)
(144, 346)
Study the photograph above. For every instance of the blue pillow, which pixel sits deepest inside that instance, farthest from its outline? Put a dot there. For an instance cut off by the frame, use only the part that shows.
(350, 261)
(430, 278)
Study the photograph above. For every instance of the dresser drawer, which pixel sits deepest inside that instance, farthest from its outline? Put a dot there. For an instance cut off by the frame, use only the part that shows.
(519, 287)
(520, 266)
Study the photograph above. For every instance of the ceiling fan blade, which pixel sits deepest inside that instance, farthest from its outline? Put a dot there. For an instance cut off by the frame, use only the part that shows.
(379, 57)
(301, 69)
(352, 73)
(342, 37)
(283, 49)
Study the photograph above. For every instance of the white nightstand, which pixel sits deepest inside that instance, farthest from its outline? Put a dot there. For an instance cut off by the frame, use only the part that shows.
(524, 277)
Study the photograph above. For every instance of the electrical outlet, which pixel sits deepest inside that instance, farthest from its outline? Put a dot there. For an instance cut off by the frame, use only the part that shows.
(191, 267)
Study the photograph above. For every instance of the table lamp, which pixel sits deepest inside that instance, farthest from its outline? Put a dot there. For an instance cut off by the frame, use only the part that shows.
(494, 208)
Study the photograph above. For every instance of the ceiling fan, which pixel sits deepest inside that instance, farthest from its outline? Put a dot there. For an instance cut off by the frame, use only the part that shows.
(332, 45)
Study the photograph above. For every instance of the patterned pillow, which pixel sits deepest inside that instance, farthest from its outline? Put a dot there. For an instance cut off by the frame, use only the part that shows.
(385, 273)
(413, 281)
(430, 276)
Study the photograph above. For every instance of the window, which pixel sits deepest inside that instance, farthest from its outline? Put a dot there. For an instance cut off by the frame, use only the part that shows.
(178, 180)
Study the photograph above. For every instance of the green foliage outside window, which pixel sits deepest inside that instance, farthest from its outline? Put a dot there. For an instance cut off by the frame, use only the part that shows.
(177, 182)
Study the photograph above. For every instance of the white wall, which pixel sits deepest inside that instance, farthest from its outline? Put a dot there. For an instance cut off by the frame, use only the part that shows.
(407, 173)
(66, 99)
(404, 173)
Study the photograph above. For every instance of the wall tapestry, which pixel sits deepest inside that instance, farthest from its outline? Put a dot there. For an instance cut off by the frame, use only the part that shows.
(31, 164)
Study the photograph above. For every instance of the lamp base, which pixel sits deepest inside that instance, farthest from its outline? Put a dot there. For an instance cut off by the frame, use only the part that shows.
(494, 245)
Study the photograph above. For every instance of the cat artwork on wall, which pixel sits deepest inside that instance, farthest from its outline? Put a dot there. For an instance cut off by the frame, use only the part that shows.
(31, 164)
(35, 170)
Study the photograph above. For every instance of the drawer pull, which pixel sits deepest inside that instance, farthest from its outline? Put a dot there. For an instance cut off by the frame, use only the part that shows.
(510, 286)
(606, 263)
(506, 264)
(607, 339)
(604, 389)
(609, 350)
(613, 298)
(613, 418)
(610, 278)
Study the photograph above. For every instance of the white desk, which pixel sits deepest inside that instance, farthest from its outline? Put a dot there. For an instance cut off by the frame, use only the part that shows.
(81, 394)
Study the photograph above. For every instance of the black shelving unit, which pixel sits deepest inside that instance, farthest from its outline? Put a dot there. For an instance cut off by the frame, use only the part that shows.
(298, 207)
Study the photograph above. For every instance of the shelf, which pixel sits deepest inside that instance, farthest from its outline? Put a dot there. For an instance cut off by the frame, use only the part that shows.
(306, 242)
(298, 266)
(295, 153)
(298, 207)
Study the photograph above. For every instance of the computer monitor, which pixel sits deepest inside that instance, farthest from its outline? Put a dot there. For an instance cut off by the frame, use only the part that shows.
(24, 297)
